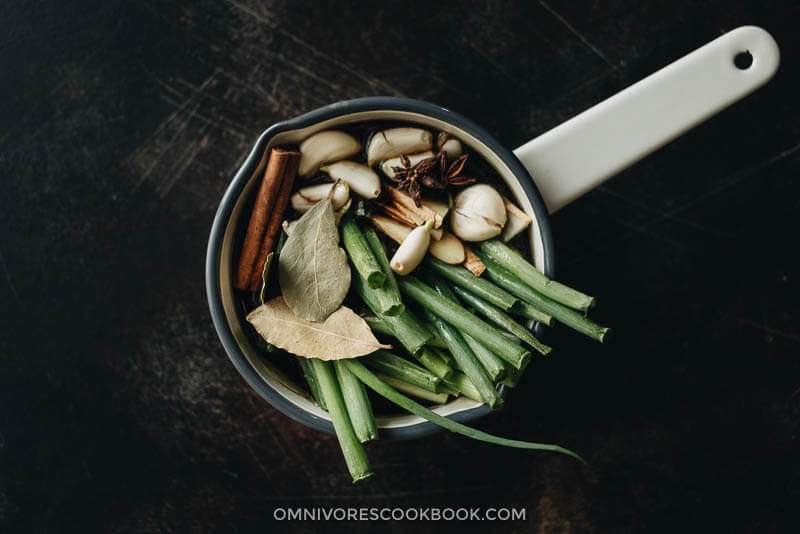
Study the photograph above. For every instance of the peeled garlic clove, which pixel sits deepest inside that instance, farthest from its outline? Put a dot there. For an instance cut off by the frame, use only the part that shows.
(362, 180)
(517, 221)
(395, 141)
(448, 249)
(308, 196)
(387, 167)
(478, 213)
(323, 147)
(452, 148)
(411, 251)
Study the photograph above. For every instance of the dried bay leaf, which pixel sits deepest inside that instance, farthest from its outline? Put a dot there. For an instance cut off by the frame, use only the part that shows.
(312, 269)
(344, 334)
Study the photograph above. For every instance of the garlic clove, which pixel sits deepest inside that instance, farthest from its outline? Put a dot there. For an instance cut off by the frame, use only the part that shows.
(449, 145)
(323, 147)
(439, 207)
(338, 214)
(448, 249)
(387, 166)
(517, 221)
(390, 143)
(478, 213)
(306, 197)
(411, 251)
(362, 180)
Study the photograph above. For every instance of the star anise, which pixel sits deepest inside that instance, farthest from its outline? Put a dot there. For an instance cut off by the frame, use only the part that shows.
(433, 173)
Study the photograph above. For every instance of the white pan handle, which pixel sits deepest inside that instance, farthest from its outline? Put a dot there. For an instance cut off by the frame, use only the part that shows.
(583, 152)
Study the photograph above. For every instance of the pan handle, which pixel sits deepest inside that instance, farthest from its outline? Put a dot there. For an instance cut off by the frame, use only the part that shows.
(585, 151)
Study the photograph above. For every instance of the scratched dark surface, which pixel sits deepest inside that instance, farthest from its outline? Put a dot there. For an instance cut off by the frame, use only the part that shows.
(120, 126)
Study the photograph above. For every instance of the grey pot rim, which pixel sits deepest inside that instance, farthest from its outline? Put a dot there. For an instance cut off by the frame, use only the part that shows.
(237, 186)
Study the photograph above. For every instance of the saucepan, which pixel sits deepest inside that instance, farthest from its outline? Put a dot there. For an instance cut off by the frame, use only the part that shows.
(543, 175)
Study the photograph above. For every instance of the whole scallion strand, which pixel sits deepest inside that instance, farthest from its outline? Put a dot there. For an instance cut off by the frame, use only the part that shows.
(460, 276)
(494, 366)
(412, 334)
(381, 388)
(411, 389)
(360, 255)
(456, 315)
(567, 316)
(357, 403)
(501, 319)
(514, 262)
(392, 365)
(311, 380)
(352, 449)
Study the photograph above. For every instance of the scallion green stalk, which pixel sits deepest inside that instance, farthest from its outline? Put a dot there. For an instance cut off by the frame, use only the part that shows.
(311, 380)
(392, 365)
(494, 366)
(361, 256)
(381, 388)
(460, 276)
(456, 315)
(352, 449)
(525, 271)
(404, 326)
(501, 319)
(567, 316)
(433, 363)
(357, 403)
(411, 389)
(392, 292)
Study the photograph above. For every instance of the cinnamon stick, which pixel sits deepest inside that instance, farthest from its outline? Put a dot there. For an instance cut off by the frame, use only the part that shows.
(276, 217)
(266, 198)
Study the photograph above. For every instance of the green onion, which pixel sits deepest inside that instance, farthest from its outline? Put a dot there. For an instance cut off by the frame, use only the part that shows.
(431, 361)
(360, 254)
(392, 293)
(461, 352)
(514, 375)
(442, 351)
(357, 403)
(393, 365)
(577, 321)
(502, 319)
(460, 276)
(529, 311)
(514, 262)
(494, 366)
(411, 389)
(381, 388)
(404, 326)
(456, 315)
(378, 325)
(311, 380)
(464, 386)
(352, 449)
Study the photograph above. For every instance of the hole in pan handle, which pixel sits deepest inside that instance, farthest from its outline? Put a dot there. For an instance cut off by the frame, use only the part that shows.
(583, 152)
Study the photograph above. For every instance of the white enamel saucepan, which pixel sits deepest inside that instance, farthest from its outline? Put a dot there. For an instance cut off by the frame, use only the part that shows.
(544, 174)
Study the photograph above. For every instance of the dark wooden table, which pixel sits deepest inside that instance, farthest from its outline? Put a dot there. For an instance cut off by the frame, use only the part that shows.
(122, 123)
